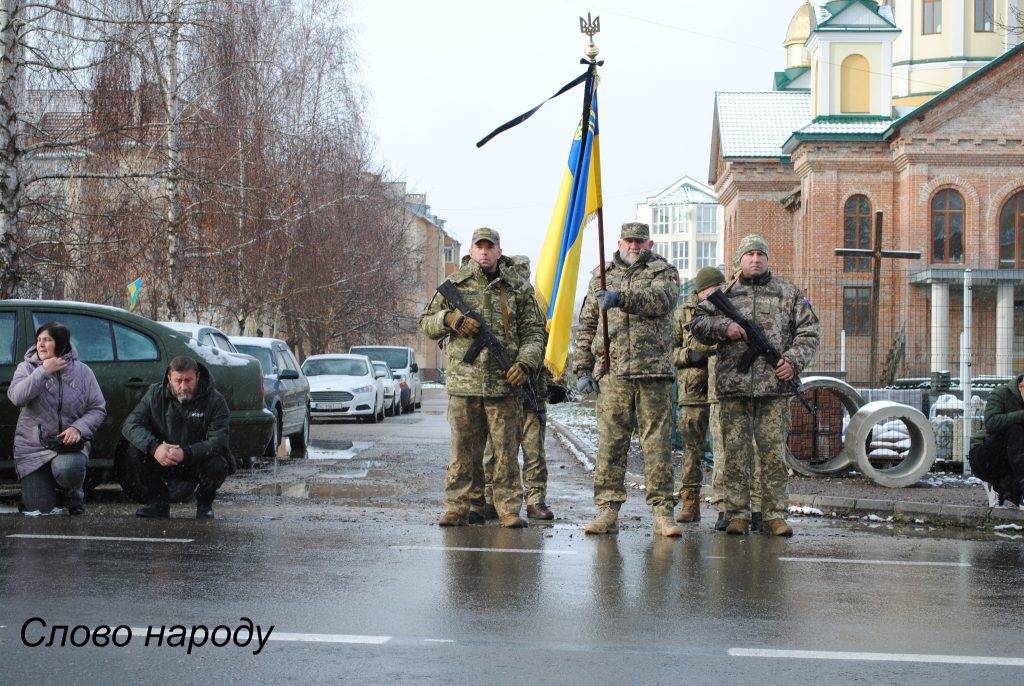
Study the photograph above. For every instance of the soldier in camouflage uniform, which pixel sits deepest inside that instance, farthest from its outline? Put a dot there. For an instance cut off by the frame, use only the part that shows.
(692, 359)
(482, 403)
(535, 467)
(642, 289)
(755, 406)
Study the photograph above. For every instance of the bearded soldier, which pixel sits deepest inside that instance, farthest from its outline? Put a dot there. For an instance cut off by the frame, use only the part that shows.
(642, 289)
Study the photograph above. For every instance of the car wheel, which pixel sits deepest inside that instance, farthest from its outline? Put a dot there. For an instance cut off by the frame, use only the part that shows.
(380, 413)
(300, 439)
(275, 440)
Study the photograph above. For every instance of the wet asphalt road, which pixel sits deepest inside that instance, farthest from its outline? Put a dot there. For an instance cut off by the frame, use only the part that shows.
(392, 598)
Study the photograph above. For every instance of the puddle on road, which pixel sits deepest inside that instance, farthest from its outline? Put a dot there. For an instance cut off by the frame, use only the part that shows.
(336, 450)
(353, 472)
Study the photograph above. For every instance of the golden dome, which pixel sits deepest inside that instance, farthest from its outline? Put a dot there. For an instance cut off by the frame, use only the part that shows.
(799, 26)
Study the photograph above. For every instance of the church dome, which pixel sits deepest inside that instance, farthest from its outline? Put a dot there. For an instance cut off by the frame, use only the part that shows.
(798, 33)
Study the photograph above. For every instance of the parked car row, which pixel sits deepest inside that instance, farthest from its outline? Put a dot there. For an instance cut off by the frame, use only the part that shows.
(269, 394)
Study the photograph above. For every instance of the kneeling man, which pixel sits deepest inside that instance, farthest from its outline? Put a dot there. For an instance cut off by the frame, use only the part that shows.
(179, 430)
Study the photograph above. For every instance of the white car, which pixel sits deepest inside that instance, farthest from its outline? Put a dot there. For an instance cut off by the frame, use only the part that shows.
(402, 361)
(344, 386)
(392, 389)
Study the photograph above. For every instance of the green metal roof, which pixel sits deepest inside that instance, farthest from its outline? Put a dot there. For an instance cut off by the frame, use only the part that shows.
(826, 13)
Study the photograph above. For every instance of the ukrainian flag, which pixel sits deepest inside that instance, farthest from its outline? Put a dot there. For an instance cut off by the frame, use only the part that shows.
(133, 293)
(579, 198)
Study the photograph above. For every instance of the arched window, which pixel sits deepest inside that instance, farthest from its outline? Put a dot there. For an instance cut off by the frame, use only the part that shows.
(1011, 233)
(948, 226)
(857, 231)
(855, 85)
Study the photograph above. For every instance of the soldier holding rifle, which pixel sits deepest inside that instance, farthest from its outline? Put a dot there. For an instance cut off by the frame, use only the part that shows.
(754, 383)
(495, 335)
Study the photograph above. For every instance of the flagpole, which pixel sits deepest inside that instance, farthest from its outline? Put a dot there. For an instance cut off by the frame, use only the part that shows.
(590, 27)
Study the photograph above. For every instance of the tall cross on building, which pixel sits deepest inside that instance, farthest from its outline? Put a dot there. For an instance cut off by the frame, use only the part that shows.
(876, 254)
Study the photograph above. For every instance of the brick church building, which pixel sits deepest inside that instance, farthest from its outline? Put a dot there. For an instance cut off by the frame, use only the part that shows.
(914, 108)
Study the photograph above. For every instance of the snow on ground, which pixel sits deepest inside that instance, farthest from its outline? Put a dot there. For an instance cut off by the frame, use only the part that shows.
(949, 480)
(579, 418)
(805, 510)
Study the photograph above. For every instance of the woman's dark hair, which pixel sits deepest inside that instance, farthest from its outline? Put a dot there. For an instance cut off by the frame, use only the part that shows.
(60, 335)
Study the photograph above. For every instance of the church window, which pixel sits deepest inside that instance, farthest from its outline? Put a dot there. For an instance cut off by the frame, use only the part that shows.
(948, 226)
(855, 85)
(983, 16)
(1011, 233)
(856, 309)
(857, 231)
(931, 16)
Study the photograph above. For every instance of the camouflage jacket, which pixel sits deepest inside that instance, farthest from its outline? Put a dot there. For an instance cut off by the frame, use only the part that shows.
(640, 329)
(695, 380)
(788, 320)
(509, 311)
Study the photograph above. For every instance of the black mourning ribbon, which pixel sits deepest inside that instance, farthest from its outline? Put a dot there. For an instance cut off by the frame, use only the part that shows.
(526, 115)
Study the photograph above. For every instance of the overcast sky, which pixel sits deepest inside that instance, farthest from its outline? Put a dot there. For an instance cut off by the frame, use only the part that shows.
(443, 73)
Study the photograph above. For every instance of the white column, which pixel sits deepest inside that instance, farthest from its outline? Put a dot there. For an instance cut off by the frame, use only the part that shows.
(940, 327)
(1004, 330)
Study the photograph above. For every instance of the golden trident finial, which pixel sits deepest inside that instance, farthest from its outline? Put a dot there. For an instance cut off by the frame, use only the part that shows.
(590, 27)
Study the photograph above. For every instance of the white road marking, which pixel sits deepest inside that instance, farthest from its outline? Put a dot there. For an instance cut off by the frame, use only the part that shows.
(330, 638)
(55, 537)
(897, 563)
(305, 638)
(528, 551)
(438, 640)
(878, 657)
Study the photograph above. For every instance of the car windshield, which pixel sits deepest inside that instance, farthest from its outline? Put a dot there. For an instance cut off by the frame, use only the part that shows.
(261, 354)
(396, 358)
(380, 366)
(334, 367)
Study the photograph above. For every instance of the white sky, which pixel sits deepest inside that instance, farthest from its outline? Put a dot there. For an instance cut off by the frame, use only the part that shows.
(443, 73)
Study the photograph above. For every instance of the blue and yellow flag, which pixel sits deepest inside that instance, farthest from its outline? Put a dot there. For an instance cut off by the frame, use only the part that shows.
(133, 293)
(579, 198)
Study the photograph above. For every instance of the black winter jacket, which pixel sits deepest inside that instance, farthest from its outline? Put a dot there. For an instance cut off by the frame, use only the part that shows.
(199, 426)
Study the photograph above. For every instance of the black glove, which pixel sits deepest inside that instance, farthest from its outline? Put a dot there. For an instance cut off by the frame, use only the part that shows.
(608, 300)
(586, 385)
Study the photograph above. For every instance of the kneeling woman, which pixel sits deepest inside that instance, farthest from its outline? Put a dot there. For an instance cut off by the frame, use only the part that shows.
(61, 409)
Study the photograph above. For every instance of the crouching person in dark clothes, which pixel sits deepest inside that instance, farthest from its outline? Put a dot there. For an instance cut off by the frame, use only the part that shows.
(997, 451)
(179, 430)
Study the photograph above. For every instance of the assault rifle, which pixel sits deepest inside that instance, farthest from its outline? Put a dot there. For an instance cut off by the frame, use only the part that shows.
(758, 344)
(486, 339)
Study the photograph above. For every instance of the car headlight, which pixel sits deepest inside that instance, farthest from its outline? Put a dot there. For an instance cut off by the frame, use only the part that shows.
(363, 389)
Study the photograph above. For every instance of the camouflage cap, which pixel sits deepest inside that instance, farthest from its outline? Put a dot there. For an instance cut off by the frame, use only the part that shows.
(708, 277)
(751, 243)
(636, 230)
(486, 234)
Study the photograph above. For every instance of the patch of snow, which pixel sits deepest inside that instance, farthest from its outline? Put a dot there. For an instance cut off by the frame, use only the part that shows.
(576, 452)
(874, 518)
(1008, 527)
(1012, 537)
(217, 357)
(805, 510)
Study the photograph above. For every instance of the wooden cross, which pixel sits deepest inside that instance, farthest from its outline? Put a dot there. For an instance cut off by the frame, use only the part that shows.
(877, 254)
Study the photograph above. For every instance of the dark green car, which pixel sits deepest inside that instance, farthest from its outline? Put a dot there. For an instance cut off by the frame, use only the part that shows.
(127, 353)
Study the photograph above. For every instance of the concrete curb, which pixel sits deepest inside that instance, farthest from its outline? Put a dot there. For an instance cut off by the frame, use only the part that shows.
(931, 513)
(585, 455)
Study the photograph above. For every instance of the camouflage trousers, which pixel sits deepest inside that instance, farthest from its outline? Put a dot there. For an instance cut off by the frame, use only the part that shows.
(535, 466)
(653, 403)
(755, 428)
(718, 465)
(693, 431)
(474, 421)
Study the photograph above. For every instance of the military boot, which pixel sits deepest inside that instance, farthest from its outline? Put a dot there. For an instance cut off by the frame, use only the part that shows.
(539, 511)
(663, 526)
(450, 518)
(488, 511)
(512, 521)
(475, 518)
(756, 521)
(777, 527)
(722, 522)
(738, 526)
(690, 509)
(606, 522)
